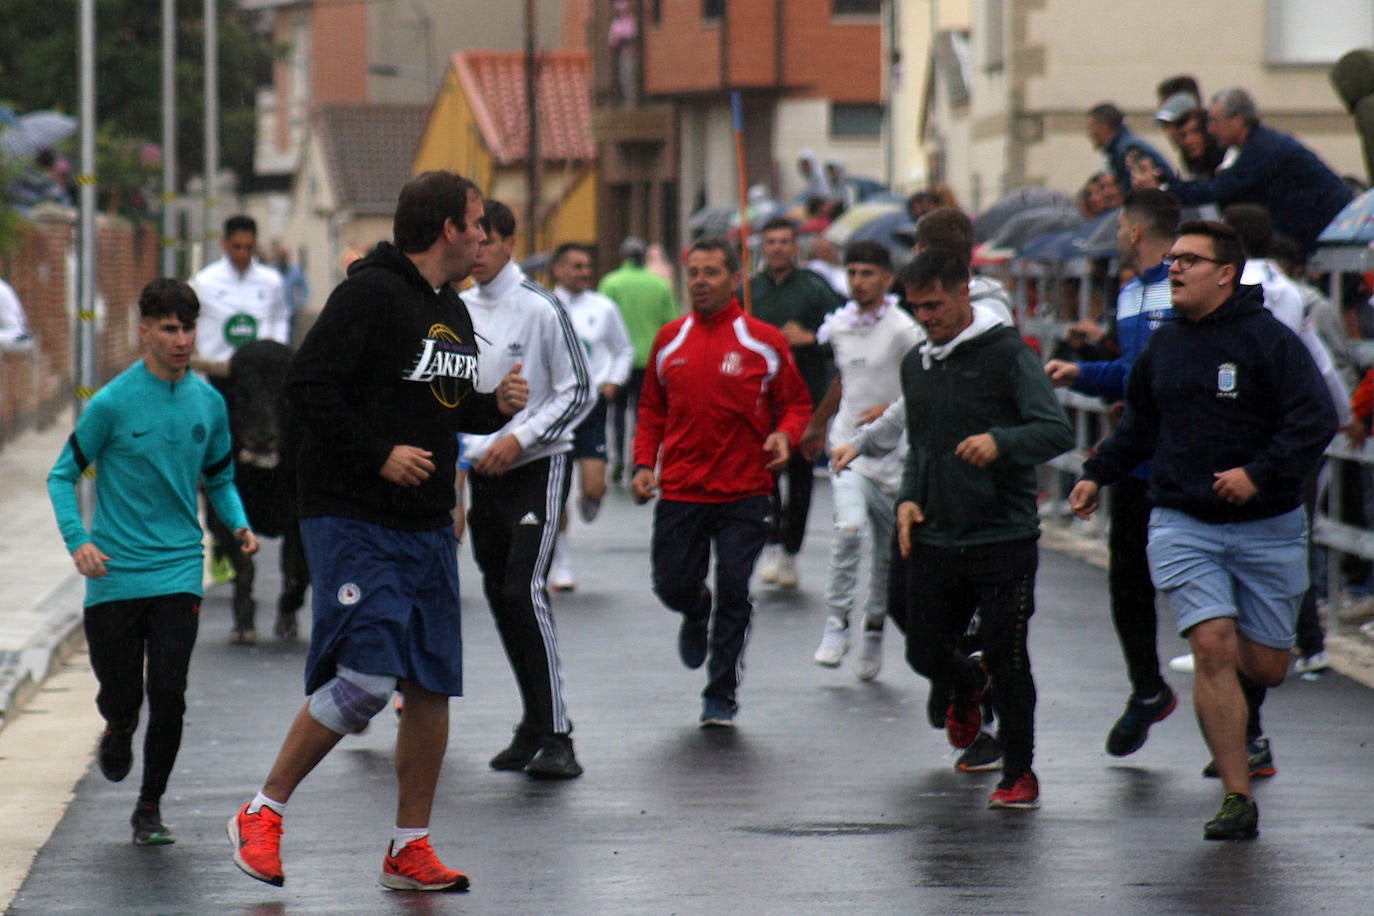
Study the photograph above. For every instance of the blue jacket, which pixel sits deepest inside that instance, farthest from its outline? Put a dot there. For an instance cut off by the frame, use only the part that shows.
(1120, 146)
(1142, 305)
(1276, 171)
(1234, 389)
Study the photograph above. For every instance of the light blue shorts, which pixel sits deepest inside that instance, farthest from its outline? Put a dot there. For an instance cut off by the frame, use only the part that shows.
(1254, 572)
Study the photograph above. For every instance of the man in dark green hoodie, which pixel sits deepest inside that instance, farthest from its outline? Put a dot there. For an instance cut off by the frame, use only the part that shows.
(981, 414)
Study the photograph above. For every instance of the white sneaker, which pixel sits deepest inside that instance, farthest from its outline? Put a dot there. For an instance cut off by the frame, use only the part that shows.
(787, 570)
(869, 661)
(561, 576)
(1310, 664)
(768, 564)
(834, 643)
(1183, 664)
(588, 508)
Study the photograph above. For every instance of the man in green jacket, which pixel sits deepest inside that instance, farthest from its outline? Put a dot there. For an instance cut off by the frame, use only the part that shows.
(795, 300)
(981, 414)
(646, 304)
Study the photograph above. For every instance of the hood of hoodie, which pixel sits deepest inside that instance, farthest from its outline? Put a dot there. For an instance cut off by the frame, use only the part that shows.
(1245, 301)
(386, 256)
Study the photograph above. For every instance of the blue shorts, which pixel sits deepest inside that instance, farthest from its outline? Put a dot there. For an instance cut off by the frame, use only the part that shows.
(589, 439)
(1254, 572)
(384, 602)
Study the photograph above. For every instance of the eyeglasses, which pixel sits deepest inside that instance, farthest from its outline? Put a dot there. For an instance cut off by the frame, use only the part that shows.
(1187, 260)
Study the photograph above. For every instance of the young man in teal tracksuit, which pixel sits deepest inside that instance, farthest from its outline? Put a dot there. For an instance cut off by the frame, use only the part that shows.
(153, 434)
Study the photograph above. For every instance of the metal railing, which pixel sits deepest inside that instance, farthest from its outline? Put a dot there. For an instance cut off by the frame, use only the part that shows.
(1338, 538)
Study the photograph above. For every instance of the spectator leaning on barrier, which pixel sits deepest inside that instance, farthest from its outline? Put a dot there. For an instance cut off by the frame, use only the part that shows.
(1270, 168)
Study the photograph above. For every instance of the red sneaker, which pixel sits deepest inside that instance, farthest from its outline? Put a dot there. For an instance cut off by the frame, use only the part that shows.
(257, 844)
(417, 868)
(963, 729)
(1023, 793)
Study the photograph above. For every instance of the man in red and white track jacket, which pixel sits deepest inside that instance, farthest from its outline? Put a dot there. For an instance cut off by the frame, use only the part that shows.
(722, 408)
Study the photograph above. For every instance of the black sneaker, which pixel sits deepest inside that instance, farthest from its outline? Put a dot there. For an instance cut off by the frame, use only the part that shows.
(518, 753)
(1130, 731)
(1260, 758)
(116, 753)
(984, 754)
(1238, 819)
(717, 713)
(148, 827)
(691, 641)
(554, 759)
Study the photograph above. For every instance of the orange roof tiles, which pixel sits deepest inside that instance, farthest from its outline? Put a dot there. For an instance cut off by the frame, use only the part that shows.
(494, 82)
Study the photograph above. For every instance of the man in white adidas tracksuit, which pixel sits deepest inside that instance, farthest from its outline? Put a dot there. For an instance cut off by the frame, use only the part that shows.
(520, 476)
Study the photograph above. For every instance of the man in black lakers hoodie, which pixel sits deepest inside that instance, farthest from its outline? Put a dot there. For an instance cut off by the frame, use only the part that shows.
(381, 387)
(1230, 405)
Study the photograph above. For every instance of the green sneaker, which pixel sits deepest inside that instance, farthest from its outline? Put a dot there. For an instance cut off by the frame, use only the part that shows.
(1238, 819)
(148, 827)
(221, 570)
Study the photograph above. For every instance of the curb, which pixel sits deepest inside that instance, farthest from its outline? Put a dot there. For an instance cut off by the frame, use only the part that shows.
(23, 671)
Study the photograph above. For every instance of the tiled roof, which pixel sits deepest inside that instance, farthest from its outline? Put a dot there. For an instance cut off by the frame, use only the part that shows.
(494, 82)
(369, 150)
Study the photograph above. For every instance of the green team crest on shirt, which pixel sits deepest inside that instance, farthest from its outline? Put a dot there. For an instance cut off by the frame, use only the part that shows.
(240, 329)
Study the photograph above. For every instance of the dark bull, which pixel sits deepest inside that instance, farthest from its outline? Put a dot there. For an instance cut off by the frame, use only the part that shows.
(265, 475)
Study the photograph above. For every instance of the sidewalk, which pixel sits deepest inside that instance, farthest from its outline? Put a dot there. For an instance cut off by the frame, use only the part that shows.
(40, 592)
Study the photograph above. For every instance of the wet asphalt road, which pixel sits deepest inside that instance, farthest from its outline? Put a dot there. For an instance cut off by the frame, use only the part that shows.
(832, 796)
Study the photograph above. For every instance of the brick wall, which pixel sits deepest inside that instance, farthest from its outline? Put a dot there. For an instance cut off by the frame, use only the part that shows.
(36, 386)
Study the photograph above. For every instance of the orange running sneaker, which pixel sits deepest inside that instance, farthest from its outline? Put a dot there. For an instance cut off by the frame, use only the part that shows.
(417, 868)
(257, 844)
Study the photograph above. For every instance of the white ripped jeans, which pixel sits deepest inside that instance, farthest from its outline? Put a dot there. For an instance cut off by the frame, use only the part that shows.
(860, 504)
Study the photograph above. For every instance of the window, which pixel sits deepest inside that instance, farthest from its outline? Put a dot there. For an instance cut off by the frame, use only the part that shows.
(994, 36)
(1317, 31)
(856, 7)
(712, 9)
(849, 120)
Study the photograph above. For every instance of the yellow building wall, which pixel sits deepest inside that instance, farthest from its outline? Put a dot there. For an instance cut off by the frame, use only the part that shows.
(452, 141)
(574, 219)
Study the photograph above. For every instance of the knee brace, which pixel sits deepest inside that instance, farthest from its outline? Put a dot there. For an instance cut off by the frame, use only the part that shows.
(350, 700)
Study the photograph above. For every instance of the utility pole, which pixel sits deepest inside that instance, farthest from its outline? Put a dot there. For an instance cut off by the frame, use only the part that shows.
(169, 137)
(532, 154)
(86, 252)
(211, 130)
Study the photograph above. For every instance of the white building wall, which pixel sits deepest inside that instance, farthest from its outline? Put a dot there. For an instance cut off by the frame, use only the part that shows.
(805, 124)
(1075, 53)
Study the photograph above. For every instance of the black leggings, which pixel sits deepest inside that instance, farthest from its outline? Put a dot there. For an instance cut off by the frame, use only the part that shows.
(120, 635)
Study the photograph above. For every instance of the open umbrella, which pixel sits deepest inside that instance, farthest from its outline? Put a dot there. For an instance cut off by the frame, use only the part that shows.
(34, 132)
(1352, 226)
(987, 223)
(879, 222)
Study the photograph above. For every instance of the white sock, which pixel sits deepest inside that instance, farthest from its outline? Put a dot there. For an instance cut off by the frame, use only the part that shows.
(259, 800)
(400, 836)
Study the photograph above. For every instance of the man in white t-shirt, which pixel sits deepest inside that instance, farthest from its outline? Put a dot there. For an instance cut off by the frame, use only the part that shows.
(241, 299)
(610, 354)
(14, 327)
(869, 335)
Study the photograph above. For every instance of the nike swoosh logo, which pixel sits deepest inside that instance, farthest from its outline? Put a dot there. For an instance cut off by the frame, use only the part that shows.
(144, 433)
